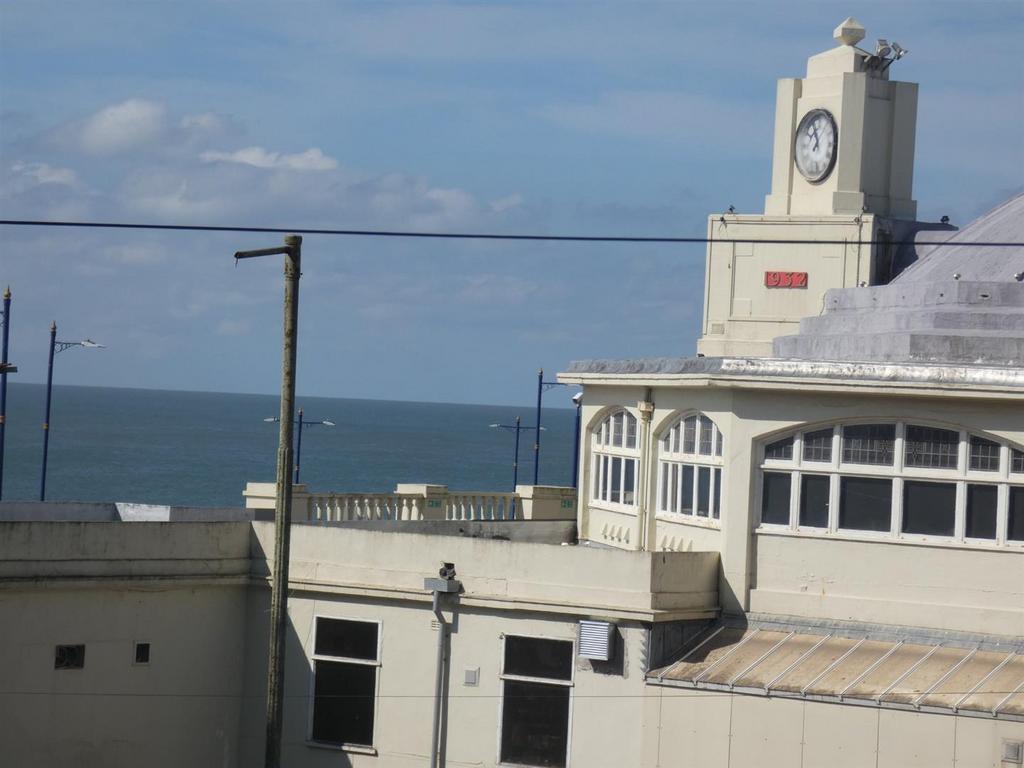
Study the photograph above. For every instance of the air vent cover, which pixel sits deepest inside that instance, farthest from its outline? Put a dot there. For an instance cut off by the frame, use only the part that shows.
(596, 640)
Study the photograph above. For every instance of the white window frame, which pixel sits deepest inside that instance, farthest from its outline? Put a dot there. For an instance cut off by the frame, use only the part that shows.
(898, 473)
(314, 657)
(603, 454)
(503, 676)
(670, 458)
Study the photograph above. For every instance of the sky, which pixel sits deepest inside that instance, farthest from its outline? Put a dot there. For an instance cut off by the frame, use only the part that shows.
(625, 118)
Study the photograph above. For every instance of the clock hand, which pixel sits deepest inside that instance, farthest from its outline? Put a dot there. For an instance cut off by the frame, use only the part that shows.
(814, 135)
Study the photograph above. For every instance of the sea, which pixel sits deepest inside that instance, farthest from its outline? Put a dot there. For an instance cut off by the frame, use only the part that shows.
(201, 448)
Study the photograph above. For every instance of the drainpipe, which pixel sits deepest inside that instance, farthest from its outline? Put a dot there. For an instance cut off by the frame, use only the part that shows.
(645, 509)
(446, 584)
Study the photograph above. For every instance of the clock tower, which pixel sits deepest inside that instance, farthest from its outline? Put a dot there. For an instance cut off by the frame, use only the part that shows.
(841, 194)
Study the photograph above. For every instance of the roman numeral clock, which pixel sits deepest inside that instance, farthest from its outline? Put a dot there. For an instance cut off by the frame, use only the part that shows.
(814, 147)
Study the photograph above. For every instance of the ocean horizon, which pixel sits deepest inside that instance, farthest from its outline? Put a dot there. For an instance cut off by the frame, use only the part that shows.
(188, 448)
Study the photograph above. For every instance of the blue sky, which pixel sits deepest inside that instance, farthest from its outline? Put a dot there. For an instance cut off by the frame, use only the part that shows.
(557, 117)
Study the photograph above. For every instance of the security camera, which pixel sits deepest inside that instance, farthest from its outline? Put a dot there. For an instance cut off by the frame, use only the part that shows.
(447, 571)
(577, 398)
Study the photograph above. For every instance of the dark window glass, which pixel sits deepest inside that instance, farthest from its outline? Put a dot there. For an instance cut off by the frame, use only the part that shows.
(865, 504)
(674, 499)
(775, 499)
(69, 657)
(814, 501)
(665, 472)
(869, 443)
(351, 639)
(818, 445)
(142, 653)
(703, 490)
(984, 455)
(629, 485)
(604, 478)
(616, 479)
(343, 702)
(1016, 461)
(929, 508)
(929, 447)
(534, 723)
(716, 509)
(1015, 523)
(780, 450)
(981, 511)
(687, 490)
(538, 657)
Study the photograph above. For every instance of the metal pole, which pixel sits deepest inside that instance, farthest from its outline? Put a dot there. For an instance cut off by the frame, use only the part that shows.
(515, 457)
(298, 449)
(576, 449)
(283, 505)
(3, 382)
(442, 631)
(536, 442)
(46, 421)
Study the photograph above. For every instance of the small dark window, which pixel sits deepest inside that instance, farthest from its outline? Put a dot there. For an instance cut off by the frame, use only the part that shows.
(929, 508)
(142, 653)
(1015, 523)
(344, 685)
(818, 445)
(351, 639)
(814, 490)
(703, 491)
(535, 714)
(780, 450)
(984, 455)
(716, 509)
(929, 447)
(69, 657)
(687, 508)
(865, 504)
(869, 443)
(1016, 460)
(981, 511)
(775, 498)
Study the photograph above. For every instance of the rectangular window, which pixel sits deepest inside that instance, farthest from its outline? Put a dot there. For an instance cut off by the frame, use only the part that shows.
(869, 443)
(775, 498)
(929, 447)
(617, 428)
(1016, 460)
(687, 491)
(716, 509)
(981, 511)
(984, 455)
(142, 653)
(629, 483)
(814, 490)
(929, 509)
(616, 480)
(818, 445)
(707, 433)
(690, 434)
(345, 660)
(865, 503)
(780, 450)
(630, 430)
(1015, 515)
(703, 491)
(675, 488)
(69, 657)
(537, 675)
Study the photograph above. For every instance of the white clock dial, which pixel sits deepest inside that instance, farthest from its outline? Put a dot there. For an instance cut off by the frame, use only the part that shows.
(815, 145)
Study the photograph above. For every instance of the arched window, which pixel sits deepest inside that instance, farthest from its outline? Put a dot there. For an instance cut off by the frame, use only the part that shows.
(616, 459)
(898, 479)
(690, 468)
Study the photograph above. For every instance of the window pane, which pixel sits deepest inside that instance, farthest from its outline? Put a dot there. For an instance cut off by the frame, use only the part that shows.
(629, 484)
(687, 491)
(352, 639)
(343, 702)
(1016, 461)
(981, 511)
(675, 487)
(929, 447)
(929, 508)
(865, 503)
(689, 434)
(1015, 523)
(775, 499)
(665, 472)
(869, 443)
(630, 430)
(616, 479)
(780, 450)
(603, 461)
(984, 455)
(716, 508)
(707, 430)
(719, 443)
(538, 657)
(534, 723)
(617, 428)
(814, 501)
(703, 490)
(818, 445)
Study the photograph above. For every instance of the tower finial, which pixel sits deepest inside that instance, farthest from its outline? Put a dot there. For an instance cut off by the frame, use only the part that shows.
(849, 32)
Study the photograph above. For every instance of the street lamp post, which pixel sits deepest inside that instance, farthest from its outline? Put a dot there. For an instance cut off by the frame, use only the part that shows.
(5, 368)
(542, 386)
(300, 423)
(517, 428)
(55, 346)
(578, 399)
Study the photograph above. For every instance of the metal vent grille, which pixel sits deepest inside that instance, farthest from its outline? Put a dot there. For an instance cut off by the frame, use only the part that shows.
(595, 640)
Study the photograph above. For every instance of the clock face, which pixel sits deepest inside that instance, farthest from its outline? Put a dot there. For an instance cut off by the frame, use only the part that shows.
(815, 145)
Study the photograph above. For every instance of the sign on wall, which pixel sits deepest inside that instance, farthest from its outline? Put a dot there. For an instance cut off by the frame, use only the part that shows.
(785, 279)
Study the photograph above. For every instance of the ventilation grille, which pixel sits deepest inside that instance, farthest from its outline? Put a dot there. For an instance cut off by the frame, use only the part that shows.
(596, 640)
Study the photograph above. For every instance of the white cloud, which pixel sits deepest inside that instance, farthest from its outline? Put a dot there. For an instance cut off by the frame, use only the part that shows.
(122, 126)
(312, 159)
(506, 203)
(42, 173)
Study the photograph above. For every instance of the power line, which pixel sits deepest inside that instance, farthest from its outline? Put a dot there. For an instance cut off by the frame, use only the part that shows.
(485, 235)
